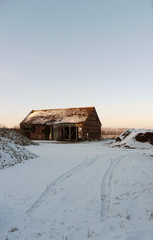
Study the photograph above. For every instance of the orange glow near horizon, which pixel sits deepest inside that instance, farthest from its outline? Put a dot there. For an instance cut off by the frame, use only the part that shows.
(112, 122)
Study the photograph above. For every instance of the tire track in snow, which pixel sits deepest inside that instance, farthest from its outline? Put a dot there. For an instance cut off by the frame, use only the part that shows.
(46, 193)
(107, 187)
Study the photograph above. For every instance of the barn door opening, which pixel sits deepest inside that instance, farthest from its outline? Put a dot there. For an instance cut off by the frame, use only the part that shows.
(70, 133)
(65, 133)
(73, 133)
(47, 132)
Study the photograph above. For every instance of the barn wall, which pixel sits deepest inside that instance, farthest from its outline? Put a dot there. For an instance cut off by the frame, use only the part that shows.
(92, 127)
(89, 130)
(37, 136)
(34, 132)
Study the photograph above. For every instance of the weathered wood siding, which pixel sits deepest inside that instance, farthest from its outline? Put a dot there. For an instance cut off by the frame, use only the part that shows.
(34, 132)
(92, 127)
(37, 136)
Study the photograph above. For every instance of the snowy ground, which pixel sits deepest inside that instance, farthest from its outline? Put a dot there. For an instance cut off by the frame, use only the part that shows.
(77, 192)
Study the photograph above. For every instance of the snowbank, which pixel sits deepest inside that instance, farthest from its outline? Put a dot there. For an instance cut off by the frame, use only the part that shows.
(11, 148)
(16, 137)
(134, 138)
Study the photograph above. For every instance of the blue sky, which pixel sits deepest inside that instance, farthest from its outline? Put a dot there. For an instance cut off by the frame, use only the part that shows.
(68, 53)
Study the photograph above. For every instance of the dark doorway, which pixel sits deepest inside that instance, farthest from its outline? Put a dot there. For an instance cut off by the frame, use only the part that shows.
(52, 133)
(47, 132)
(73, 133)
(27, 134)
(65, 133)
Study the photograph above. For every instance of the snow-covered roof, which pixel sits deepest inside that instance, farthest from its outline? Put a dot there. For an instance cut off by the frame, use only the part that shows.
(56, 116)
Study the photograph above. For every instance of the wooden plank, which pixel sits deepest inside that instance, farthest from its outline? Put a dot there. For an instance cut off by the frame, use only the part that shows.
(93, 130)
(92, 125)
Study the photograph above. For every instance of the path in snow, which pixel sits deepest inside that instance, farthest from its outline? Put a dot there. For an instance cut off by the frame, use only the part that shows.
(51, 187)
(107, 187)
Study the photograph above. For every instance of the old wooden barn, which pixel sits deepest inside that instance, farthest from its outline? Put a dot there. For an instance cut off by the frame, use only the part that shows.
(71, 124)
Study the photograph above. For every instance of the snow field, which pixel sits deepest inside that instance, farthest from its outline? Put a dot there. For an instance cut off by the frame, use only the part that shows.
(79, 191)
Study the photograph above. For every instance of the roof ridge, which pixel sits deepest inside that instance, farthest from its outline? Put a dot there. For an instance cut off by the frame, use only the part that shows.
(62, 108)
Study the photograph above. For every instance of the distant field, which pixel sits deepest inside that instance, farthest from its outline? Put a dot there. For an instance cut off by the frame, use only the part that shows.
(109, 136)
(111, 133)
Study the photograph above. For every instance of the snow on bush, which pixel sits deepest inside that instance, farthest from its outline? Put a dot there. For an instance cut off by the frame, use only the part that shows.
(134, 138)
(11, 148)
